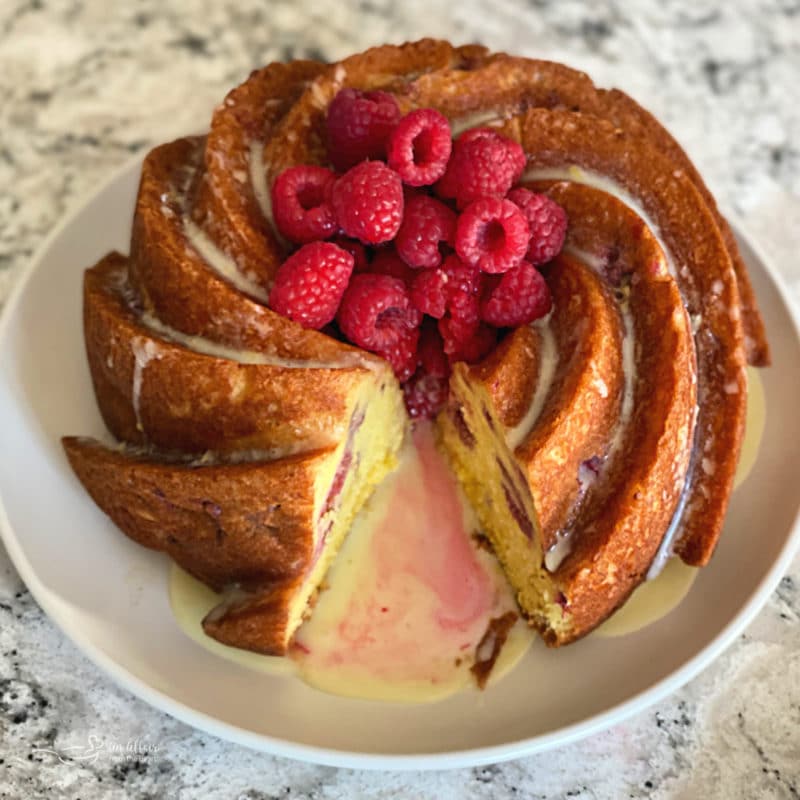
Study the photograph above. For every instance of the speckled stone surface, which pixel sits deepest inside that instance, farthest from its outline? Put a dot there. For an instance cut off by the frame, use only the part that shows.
(85, 83)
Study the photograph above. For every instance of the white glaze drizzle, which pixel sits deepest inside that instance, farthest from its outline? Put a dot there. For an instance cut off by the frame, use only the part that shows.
(258, 180)
(629, 376)
(198, 344)
(548, 361)
(477, 119)
(253, 455)
(233, 596)
(666, 548)
(209, 458)
(144, 351)
(558, 552)
(221, 262)
(577, 174)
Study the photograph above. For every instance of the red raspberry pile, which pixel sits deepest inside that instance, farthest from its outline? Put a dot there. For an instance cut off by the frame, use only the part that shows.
(420, 248)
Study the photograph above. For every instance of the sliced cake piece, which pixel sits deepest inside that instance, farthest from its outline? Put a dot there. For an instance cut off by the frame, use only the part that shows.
(190, 394)
(256, 529)
(246, 466)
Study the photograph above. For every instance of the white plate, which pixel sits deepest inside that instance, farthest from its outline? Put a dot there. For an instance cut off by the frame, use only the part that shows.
(110, 596)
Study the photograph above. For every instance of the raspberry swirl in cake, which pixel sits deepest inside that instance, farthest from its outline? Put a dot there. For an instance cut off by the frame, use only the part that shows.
(423, 231)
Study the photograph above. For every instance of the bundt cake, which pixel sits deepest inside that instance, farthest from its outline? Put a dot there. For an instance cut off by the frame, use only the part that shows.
(255, 379)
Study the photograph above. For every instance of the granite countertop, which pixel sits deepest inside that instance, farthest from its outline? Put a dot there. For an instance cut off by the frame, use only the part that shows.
(85, 83)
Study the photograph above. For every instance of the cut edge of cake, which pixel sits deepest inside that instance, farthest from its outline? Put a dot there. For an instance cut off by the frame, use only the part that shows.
(207, 513)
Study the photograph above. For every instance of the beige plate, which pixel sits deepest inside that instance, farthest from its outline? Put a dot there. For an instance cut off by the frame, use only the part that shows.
(110, 596)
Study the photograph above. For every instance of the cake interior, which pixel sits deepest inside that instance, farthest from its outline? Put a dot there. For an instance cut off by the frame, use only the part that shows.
(366, 455)
(474, 441)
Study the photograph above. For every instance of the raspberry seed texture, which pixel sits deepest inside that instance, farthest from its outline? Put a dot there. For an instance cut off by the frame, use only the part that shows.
(309, 285)
(427, 225)
(368, 202)
(358, 125)
(518, 297)
(376, 313)
(483, 164)
(547, 221)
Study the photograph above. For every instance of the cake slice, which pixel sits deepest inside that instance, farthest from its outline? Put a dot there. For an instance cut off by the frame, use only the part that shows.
(576, 526)
(155, 385)
(262, 532)
(246, 467)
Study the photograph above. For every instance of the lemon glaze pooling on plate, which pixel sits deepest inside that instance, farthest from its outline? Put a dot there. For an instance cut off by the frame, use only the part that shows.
(265, 508)
(390, 625)
(190, 601)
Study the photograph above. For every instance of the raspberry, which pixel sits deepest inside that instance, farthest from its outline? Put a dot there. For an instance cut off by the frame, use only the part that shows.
(492, 234)
(471, 134)
(432, 358)
(436, 291)
(358, 125)
(368, 202)
(429, 292)
(427, 224)
(419, 147)
(402, 354)
(300, 203)
(547, 221)
(309, 285)
(356, 249)
(376, 314)
(516, 298)
(458, 329)
(450, 293)
(483, 164)
(388, 262)
(424, 395)
(461, 320)
(474, 347)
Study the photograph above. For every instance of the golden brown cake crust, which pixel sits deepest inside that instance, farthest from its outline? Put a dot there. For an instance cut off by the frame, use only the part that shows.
(510, 374)
(621, 521)
(583, 404)
(710, 294)
(606, 473)
(247, 523)
(225, 206)
(152, 390)
(257, 621)
(617, 107)
(177, 285)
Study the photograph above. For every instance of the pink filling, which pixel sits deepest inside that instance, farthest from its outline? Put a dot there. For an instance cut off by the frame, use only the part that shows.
(338, 484)
(445, 561)
(422, 595)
